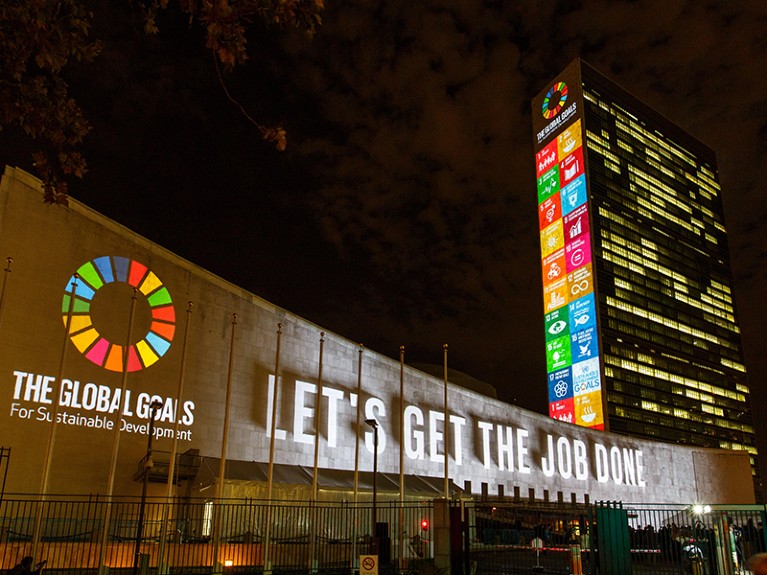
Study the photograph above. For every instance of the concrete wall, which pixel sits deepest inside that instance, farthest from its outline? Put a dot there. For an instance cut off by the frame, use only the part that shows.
(490, 442)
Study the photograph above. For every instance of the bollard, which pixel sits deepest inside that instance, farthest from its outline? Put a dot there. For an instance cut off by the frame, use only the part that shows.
(696, 566)
(576, 568)
(143, 568)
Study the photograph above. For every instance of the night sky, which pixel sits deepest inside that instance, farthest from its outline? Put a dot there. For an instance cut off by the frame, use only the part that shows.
(404, 209)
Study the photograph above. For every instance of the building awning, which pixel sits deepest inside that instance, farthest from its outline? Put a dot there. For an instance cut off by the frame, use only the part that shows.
(340, 479)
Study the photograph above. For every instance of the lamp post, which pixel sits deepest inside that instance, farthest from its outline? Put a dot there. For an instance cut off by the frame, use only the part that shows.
(374, 424)
(153, 407)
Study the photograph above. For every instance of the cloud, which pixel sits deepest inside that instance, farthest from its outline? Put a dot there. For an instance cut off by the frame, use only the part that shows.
(412, 121)
(425, 167)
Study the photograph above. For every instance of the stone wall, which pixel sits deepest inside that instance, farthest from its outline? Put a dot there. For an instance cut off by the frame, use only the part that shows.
(491, 444)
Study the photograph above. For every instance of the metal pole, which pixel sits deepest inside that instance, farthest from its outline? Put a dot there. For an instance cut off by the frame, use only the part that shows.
(60, 375)
(401, 424)
(401, 518)
(217, 567)
(5, 453)
(225, 436)
(270, 475)
(374, 424)
(179, 396)
(123, 387)
(317, 437)
(375, 484)
(357, 457)
(172, 464)
(54, 418)
(357, 427)
(116, 441)
(273, 426)
(447, 428)
(7, 271)
(317, 418)
(147, 466)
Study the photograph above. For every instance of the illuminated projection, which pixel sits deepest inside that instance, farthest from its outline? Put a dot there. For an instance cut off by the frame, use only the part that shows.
(81, 297)
(572, 344)
(554, 100)
(298, 404)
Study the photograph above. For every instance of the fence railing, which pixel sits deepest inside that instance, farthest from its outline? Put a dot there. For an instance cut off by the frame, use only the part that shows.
(695, 538)
(210, 536)
(189, 536)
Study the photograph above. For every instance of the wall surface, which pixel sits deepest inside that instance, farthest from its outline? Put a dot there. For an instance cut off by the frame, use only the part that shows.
(490, 442)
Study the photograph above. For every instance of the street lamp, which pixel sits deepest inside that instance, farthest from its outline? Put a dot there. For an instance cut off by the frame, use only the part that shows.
(148, 464)
(374, 424)
(699, 509)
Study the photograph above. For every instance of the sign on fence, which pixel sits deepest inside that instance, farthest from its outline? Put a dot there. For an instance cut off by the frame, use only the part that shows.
(368, 564)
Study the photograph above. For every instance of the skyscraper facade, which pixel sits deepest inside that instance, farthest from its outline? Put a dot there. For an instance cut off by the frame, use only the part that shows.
(642, 336)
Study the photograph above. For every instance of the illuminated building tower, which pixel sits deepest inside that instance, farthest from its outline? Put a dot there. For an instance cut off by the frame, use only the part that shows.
(641, 332)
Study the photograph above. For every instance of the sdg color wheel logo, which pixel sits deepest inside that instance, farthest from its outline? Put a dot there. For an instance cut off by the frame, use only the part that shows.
(101, 305)
(554, 100)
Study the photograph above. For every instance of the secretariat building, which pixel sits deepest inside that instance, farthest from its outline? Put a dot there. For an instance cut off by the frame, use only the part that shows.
(642, 336)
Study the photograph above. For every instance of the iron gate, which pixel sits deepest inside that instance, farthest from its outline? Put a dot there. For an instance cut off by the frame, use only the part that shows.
(512, 537)
(608, 538)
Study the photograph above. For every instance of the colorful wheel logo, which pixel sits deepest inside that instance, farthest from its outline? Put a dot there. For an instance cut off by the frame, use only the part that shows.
(94, 275)
(554, 100)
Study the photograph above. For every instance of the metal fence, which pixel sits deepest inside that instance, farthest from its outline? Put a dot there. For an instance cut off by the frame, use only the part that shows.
(610, 538)
(523, 537)
(77, 535)
(197, 536)
(697, 539)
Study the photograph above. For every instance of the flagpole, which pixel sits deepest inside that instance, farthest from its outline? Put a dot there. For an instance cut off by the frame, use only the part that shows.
(179, 397)
(123, 389)
(116, 438)
(447, 427)
(270, 475)
(317, 439)
(7, 271)
(357, 456)
(401, 455)
(401, 424)
(357, 426)
(225, 435)
(172, 463)
(224, 439)
(317, 418)
(54, 418)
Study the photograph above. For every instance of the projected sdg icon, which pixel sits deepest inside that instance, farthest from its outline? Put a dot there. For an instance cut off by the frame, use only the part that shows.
(94, 276)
